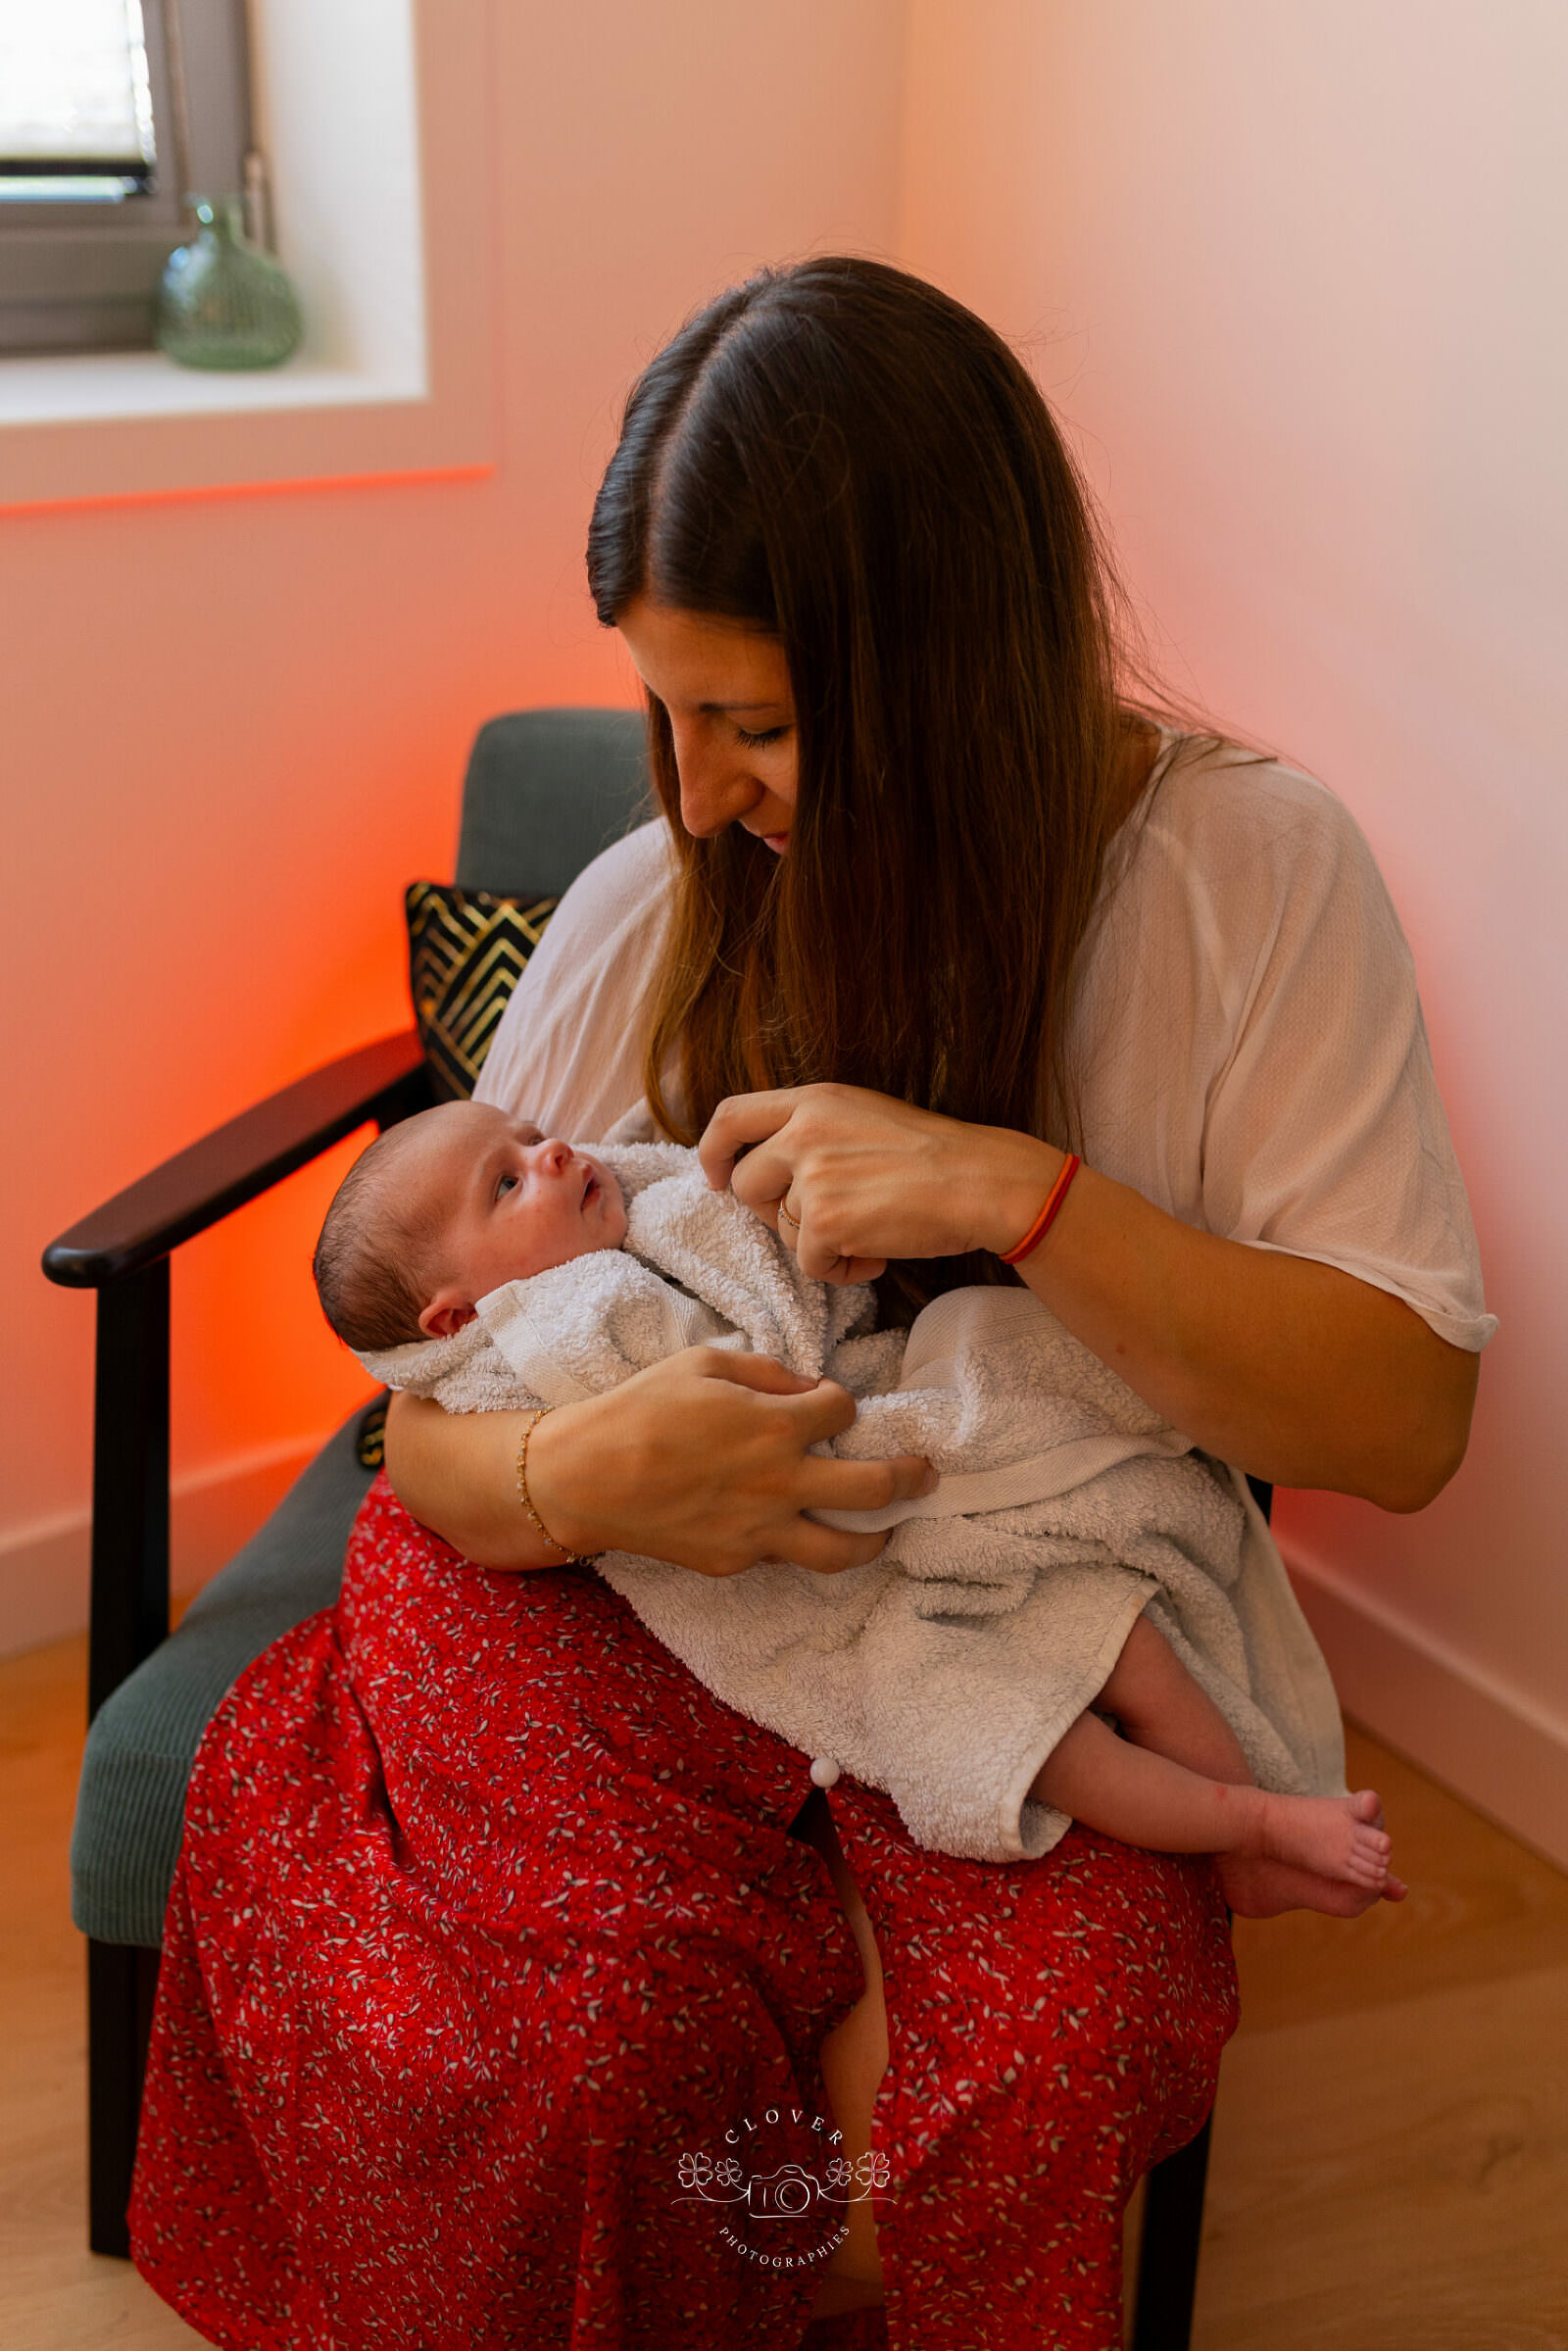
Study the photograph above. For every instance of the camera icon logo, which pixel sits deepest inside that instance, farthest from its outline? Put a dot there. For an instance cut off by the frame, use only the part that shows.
(781, 2195)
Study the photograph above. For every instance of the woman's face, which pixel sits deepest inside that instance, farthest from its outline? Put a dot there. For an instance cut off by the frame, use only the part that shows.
(726, 691)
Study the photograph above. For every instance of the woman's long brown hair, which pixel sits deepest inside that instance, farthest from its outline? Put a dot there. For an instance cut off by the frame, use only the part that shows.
(843, 456)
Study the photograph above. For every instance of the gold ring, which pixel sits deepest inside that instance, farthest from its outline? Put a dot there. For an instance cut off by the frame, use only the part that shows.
(786, 1218)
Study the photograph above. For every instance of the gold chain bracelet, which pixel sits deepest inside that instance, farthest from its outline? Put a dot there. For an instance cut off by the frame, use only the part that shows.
(572, 1558)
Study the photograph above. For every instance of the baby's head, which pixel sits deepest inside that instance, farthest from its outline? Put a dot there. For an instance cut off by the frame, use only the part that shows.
(446, 1207)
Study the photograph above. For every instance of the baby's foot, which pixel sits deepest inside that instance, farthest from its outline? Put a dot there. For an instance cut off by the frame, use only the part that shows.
(1327, 1853)
(1257, 1888)
(1333, 1836)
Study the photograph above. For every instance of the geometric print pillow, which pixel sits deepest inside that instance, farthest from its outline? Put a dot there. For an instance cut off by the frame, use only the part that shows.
(466, 951)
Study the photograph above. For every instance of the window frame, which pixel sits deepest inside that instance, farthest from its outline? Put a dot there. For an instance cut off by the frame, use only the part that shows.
(84, 277)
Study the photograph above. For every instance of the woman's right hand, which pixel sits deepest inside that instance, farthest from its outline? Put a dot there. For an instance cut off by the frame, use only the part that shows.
(700, 1459)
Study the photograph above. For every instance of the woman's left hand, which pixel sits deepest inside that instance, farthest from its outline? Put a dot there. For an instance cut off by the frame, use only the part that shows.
(1295, 1370)
(862, 1178)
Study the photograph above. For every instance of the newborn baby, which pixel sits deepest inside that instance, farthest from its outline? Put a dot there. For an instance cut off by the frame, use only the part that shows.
(455, 1227)
(446, 1208)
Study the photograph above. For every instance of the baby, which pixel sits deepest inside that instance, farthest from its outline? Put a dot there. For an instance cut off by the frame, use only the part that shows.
(447, 1206)
(452, 1207)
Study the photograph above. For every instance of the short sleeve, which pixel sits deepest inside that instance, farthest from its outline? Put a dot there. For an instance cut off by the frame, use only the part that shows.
(569, 1049)
(1324, 1134)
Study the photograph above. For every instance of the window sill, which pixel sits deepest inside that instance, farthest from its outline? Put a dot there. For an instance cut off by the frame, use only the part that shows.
(96, 386)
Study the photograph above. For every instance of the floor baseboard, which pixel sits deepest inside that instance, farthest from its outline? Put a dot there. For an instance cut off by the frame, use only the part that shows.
(1490, 1744)
(44, 1571)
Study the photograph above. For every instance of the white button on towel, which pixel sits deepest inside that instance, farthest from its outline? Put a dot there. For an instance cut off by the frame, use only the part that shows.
(824, 1770)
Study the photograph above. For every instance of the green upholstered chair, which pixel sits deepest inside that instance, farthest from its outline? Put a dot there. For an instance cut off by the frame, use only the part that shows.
(545, 790)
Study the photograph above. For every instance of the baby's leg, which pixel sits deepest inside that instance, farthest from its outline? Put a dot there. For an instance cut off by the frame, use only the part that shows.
(1179, 1784)
(1160, 1705)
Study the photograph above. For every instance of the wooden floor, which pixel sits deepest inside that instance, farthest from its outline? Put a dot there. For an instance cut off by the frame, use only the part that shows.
(1391, 2145)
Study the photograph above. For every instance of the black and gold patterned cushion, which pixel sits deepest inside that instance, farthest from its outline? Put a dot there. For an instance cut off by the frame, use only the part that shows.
(369, 1438)
(466, 953)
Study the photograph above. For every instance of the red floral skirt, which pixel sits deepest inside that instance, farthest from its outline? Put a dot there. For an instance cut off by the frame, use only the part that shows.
(492, 1988)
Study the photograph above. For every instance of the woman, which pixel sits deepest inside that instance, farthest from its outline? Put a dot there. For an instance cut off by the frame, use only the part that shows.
(492, 1927)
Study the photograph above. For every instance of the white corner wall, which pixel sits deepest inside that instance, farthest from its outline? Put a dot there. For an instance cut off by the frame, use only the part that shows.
(1293, 276)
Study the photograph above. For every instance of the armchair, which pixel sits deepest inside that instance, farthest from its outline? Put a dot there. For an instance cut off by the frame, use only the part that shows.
(545, 790)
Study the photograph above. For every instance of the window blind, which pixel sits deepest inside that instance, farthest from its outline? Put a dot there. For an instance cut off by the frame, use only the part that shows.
(76, 101)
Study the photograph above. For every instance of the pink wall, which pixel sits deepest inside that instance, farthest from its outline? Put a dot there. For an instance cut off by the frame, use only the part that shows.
(1293, 274)
(235, 730)
(1290, 272)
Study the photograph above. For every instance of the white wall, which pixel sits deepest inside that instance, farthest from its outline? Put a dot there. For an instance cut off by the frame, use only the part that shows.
(1295, 274)
(233, 728)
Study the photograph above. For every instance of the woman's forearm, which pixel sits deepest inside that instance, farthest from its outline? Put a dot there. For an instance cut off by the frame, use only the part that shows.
(1293, 1370)
(456, 1473)
(706, 1459)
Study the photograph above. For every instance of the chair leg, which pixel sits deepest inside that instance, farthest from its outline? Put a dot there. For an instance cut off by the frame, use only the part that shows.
(121, 1981)
(1168, 2258)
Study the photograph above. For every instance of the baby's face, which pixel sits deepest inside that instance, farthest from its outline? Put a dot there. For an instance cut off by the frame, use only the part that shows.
(506, 1201)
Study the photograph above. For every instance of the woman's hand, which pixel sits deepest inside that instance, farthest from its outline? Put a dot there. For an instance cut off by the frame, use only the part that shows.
(1295, 1370)
(700, 1459)
(863, 1178)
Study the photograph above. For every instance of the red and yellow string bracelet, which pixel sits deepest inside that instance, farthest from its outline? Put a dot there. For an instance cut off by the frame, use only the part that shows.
(1048, 1214)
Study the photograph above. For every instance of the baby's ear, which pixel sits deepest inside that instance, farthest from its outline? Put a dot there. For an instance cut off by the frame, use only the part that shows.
(444, 1315)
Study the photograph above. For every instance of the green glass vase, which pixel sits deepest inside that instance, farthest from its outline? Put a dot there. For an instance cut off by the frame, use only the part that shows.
(225, 303)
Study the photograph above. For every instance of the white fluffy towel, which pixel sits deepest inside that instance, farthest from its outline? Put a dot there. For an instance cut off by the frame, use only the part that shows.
(946, 1670)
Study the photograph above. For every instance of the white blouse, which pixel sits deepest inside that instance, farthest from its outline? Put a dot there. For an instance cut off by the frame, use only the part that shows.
(1252, 1049)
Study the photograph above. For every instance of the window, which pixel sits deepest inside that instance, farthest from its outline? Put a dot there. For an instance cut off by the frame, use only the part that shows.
(110, 113)
(380, 121)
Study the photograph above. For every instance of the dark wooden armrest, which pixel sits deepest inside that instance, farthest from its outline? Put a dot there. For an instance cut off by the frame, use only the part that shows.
(236, 1162)
(121, 1251)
